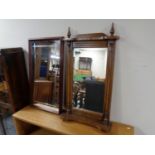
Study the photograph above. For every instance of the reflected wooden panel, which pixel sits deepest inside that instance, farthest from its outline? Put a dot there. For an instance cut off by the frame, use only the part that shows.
(43, 91)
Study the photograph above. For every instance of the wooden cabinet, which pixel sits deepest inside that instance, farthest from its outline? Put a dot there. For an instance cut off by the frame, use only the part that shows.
(5, 105)
(14, 68)
(31, 120)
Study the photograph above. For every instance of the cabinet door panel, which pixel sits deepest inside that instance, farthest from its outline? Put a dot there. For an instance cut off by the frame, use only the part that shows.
(43, 91)
(16, 76)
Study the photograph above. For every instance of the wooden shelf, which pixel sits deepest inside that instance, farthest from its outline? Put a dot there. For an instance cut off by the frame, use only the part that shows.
(27, 119)
(42, 131)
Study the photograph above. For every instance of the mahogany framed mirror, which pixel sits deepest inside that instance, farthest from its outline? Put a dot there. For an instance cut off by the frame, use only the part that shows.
(90, 65)
(46, 73)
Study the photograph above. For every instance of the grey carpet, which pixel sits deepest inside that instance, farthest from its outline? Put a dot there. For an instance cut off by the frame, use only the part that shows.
(9, 126)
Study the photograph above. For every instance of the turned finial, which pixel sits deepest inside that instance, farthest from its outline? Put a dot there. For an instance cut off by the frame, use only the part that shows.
(112, 31)
(69, 32)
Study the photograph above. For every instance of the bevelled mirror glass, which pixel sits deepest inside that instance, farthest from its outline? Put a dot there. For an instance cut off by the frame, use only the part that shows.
(89, 73)
(47, 72)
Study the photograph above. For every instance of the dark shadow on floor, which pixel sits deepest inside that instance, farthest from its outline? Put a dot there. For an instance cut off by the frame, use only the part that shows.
(9, 126)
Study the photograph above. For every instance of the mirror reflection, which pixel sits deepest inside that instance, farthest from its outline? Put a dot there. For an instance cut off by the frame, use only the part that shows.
(89, 73)
(47, 73)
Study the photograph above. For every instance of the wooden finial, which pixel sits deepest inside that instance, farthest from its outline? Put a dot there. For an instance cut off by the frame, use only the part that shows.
(69, 33)
(112, 31)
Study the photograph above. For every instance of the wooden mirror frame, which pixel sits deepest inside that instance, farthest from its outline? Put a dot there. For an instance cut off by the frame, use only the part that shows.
(31, 66)
(94, 40)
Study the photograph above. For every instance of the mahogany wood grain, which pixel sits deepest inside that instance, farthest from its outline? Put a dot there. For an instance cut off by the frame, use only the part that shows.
(15, 73)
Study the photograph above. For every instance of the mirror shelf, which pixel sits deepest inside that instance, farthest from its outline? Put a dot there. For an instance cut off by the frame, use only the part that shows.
(90, 65)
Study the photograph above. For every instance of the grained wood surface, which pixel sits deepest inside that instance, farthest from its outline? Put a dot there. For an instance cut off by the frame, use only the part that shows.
(15, 73)
(54, 123)
(43, 91)
(95, 40)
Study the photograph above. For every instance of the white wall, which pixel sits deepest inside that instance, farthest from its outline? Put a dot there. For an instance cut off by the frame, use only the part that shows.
(133, 99)
(99, 61)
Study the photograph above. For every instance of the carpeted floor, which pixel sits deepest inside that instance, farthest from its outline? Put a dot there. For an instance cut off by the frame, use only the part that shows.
(9, 126)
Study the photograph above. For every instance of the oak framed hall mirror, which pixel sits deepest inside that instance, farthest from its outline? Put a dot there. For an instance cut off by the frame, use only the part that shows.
(46, 73)
(90, 65)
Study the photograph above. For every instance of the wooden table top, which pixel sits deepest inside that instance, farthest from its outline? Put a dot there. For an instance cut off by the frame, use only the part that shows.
(54, 122)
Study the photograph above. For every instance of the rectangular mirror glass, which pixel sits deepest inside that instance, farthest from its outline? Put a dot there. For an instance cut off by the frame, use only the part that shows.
(89, 73)
(46, 73)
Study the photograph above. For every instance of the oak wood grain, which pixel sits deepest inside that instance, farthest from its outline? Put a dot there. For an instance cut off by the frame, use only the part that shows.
(54, 124)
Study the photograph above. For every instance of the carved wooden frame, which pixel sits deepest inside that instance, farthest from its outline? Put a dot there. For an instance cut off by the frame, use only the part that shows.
(99, 120)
